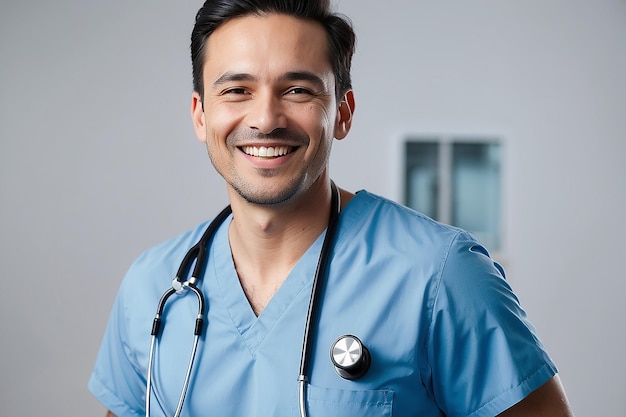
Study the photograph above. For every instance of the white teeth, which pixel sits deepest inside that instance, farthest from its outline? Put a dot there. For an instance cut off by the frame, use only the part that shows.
(267, 152)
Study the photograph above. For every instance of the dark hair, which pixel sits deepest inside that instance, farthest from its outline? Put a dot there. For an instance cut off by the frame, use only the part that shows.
(341, 37)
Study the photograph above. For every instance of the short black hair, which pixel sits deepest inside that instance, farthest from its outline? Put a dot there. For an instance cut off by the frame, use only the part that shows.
(341, 36)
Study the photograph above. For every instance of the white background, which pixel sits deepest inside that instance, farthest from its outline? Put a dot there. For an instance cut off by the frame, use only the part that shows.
(98, 161)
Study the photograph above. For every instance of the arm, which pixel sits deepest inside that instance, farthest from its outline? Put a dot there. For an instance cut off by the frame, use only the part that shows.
(110, 414)
(549, 400)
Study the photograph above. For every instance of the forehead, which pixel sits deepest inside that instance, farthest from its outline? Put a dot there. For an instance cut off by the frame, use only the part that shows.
(268, 42)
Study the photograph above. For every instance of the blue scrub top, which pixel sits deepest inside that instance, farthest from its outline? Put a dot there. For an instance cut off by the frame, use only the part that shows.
(446, 334)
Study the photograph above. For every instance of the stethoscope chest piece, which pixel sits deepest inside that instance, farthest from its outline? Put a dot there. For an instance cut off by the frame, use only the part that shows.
(350, 357)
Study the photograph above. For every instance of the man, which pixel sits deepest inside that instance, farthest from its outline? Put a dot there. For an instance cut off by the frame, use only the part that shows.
(444, 334)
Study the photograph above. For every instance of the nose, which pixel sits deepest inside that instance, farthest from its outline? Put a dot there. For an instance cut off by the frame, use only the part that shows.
(266, 113)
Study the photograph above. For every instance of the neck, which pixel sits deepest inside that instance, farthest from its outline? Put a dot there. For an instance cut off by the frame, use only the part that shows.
(266, 242)
(274, 237)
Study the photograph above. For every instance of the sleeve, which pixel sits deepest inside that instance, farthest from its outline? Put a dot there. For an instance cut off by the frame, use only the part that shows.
(116, 380)
(483, 352)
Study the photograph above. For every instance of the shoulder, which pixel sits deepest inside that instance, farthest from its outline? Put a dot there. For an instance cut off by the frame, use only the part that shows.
(378, 234)
(157, 265)
(450, 259)
(381, 220)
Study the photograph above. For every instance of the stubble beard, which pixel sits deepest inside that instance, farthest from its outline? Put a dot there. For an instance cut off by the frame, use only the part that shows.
(252, 193)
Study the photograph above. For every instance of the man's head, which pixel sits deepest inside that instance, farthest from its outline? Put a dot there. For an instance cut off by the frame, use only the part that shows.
(341, 37)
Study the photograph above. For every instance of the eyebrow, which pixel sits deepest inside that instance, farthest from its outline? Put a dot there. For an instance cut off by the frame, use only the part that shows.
(233, 77)
(304, 76)
(288, 76)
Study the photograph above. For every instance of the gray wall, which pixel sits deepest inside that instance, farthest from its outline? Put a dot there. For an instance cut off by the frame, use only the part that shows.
(98, 161)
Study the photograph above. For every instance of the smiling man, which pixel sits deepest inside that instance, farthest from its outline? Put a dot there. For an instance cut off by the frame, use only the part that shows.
(409, 318)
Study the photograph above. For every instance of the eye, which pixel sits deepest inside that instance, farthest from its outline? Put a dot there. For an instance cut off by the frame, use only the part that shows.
(299, 90)
(234, 91)
(299, 94)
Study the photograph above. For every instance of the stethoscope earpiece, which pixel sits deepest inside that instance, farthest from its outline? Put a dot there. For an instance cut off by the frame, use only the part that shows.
(350, 357)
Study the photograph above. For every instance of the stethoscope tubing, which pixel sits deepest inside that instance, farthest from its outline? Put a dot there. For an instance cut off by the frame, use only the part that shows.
(155, 331)
(316, 290)
(197, 253)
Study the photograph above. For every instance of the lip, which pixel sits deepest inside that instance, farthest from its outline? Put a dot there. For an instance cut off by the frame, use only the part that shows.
(267, 155)
(265, 151)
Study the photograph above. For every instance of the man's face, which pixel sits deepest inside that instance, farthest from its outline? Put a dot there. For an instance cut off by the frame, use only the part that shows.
(269, 111)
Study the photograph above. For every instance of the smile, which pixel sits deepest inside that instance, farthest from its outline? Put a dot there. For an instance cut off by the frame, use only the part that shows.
(267, 152)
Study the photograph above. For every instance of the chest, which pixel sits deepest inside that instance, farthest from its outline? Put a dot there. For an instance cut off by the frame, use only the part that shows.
(249, 365)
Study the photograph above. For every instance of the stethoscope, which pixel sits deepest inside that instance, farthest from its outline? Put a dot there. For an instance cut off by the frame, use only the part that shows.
(349, 356)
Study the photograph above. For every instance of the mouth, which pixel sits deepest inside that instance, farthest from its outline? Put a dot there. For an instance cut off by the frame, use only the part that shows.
(267, 151)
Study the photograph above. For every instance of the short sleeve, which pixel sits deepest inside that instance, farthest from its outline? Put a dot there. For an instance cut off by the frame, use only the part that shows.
(483, 352)
(115, 380)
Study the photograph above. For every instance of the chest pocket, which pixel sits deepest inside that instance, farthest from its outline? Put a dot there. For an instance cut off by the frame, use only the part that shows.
(324, 402)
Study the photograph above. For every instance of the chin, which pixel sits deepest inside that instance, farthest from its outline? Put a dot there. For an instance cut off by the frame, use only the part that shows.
(267, 197)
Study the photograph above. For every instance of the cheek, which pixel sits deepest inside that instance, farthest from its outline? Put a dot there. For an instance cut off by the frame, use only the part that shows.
(318, 118)
(220, 123)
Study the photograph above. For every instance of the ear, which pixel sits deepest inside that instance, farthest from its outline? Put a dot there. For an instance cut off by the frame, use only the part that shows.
(344, 115)
(197, 116)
